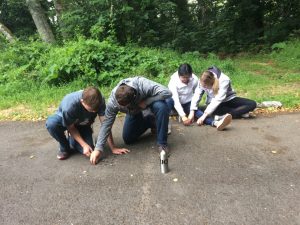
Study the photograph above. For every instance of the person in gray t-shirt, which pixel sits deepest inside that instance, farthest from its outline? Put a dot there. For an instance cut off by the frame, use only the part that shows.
(76, 114)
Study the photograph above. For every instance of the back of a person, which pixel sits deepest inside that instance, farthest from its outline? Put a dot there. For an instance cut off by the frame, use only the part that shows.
(69, 102)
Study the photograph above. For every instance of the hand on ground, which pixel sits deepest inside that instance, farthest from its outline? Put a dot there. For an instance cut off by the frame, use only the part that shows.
(187, 122)
(120, 151)
(200, 121)
(95, 156)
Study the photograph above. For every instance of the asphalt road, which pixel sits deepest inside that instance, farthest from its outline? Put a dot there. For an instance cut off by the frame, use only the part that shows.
(247, 174)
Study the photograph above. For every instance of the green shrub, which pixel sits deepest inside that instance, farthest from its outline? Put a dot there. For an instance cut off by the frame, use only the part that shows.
(89, 60)
(287, 54)
(37, 75)
(18, 61)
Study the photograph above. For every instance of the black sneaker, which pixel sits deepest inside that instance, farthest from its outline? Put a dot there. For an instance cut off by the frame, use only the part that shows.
(63, 155)
(164, 148)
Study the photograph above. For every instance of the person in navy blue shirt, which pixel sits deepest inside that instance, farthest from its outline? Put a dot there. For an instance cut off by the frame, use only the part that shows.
(76, 114)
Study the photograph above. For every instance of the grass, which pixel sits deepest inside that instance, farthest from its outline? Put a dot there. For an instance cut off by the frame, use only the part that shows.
(270, 77)
(35, 103)
(262, 77)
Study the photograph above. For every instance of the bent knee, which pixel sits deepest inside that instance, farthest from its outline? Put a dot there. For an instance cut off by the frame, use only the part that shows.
(128, 139)
(163, 108)
(50, 124)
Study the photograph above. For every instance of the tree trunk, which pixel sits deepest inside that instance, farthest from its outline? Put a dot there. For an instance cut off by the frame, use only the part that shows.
(7, 33)
(40, 20)
(59, 8)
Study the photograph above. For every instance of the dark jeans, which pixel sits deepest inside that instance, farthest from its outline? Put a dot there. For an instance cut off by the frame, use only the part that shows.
(136, 125)
(236, 107)
(56, 130)
(186, 108)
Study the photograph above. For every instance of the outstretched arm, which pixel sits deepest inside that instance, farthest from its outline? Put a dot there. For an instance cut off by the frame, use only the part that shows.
(104, 132)
(111, 144)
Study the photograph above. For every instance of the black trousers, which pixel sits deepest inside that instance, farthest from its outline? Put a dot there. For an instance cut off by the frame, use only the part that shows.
(236, 107)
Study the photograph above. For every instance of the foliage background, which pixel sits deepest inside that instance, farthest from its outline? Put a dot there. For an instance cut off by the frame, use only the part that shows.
(186, 25)
(99, 42)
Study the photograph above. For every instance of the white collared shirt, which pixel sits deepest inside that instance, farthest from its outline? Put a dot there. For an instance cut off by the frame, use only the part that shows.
(182, 93)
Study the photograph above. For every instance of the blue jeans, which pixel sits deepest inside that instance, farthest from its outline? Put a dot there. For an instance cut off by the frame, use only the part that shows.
(136, 125)
(186, 108)
(56, 130)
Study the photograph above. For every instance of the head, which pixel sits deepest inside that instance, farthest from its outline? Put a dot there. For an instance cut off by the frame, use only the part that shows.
(91, 99)
(208, 81)
(185, 73)
(125, 95)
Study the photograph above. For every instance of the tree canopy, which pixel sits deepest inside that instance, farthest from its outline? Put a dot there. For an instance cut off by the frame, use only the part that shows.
(184, 25)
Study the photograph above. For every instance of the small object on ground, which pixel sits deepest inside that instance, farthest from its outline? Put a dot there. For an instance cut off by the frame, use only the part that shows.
(32, 156)
(268, 104)
(164, 162)
(175, 179)
(274, 152)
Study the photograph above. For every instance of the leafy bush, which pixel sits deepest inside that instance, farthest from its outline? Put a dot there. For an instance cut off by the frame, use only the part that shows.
(287, 54)
(18, 60)
(89, 60)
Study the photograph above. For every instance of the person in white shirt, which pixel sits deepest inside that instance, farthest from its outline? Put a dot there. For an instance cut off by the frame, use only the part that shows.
(182, 85)
(221, 98)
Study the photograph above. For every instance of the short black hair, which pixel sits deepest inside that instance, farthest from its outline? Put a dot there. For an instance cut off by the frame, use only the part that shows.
(185, 69)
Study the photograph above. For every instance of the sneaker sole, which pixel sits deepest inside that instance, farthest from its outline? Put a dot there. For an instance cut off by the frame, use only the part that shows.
(245, 116)
(62, 158)
(226, 121)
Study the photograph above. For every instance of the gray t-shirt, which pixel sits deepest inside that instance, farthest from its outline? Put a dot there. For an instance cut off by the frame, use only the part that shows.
(72, 111)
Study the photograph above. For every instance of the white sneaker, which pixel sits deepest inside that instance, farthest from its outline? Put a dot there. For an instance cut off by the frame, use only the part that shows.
(245, 116)
(169, 128)
(224, 122)
(218, 117)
